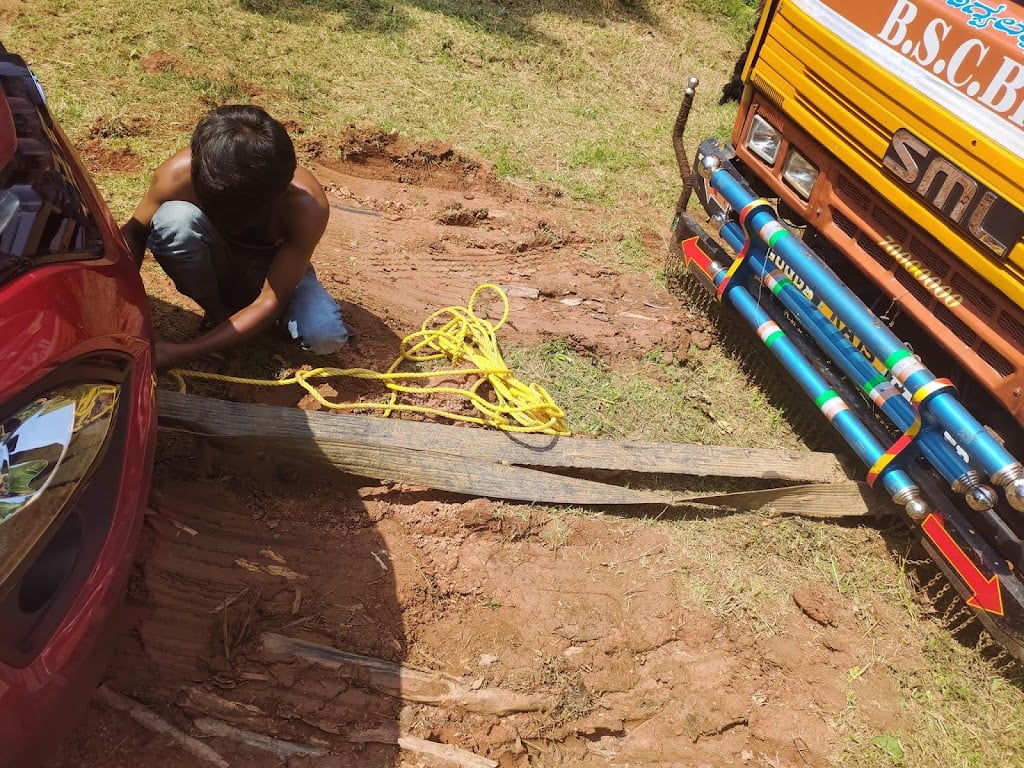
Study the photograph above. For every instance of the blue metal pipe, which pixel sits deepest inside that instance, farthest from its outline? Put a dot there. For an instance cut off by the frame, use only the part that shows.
(857, 436)
(984, 451)
(860, 371)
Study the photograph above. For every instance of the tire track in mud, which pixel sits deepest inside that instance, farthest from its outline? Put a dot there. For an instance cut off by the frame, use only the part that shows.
(405, 258)
(581, 610)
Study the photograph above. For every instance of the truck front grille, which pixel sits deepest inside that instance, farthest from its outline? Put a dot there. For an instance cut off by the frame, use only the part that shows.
(977, 300)
(1013, 327)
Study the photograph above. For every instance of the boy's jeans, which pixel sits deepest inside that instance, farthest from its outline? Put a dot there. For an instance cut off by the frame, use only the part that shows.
(207, 269)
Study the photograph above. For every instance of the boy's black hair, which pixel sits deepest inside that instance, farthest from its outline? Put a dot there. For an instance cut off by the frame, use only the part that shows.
(242, 160)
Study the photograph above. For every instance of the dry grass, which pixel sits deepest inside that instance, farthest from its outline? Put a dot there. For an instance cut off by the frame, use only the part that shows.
(697, 402)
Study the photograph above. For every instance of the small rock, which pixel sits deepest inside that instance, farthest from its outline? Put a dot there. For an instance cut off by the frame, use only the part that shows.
(521, 291)
(682, 350)
(701, 340)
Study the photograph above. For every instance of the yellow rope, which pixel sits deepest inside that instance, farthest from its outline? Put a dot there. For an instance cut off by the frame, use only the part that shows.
(458, 335)
(94, 403)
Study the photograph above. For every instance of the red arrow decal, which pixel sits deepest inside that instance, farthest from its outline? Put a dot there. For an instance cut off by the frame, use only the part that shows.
(988, 595)
(694, 254)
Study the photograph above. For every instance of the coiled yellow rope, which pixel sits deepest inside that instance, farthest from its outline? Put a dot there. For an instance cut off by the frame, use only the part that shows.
(459, 335)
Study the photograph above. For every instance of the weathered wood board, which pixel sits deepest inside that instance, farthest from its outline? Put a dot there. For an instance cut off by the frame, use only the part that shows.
(503, 465)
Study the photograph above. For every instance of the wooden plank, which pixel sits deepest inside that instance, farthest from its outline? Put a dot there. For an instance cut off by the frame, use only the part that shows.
(286, 436)
(152, 721)
(282, 749)
(408, 683)
(462, 474)
(473, 477)
(822, 500)
(444, 754)
(244, 419)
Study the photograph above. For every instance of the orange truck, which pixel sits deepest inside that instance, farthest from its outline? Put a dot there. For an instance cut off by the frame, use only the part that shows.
(876, 169)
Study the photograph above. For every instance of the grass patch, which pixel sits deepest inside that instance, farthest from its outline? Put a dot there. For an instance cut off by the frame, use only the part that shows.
(655, 401)
(957, 702)
(573, 700)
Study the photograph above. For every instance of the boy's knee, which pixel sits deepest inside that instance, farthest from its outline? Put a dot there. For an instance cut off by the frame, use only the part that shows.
(177, 215)
(177, 223)
(321, 339)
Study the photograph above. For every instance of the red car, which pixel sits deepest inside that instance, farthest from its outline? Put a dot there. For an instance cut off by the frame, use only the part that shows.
(77, 424)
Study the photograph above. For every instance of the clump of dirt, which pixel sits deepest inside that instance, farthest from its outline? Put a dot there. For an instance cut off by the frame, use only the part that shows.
(817, 604)
(454, 215)
(295, 129)
(160, 61)
(104, 160)
(387, 155)
(118, 127)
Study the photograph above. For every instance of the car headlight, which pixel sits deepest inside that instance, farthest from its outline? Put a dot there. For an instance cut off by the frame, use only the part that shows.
(800, 174)
(763, 139)
(47, 449)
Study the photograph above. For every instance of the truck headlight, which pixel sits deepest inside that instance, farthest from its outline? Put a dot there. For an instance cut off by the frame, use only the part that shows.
(800, 174)
(47, 450)
(763, 139)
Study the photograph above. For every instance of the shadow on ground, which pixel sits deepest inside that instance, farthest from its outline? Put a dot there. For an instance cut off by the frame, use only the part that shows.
(235, 553)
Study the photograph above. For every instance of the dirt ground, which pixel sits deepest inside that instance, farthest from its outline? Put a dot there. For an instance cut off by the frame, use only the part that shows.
(564, 636)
